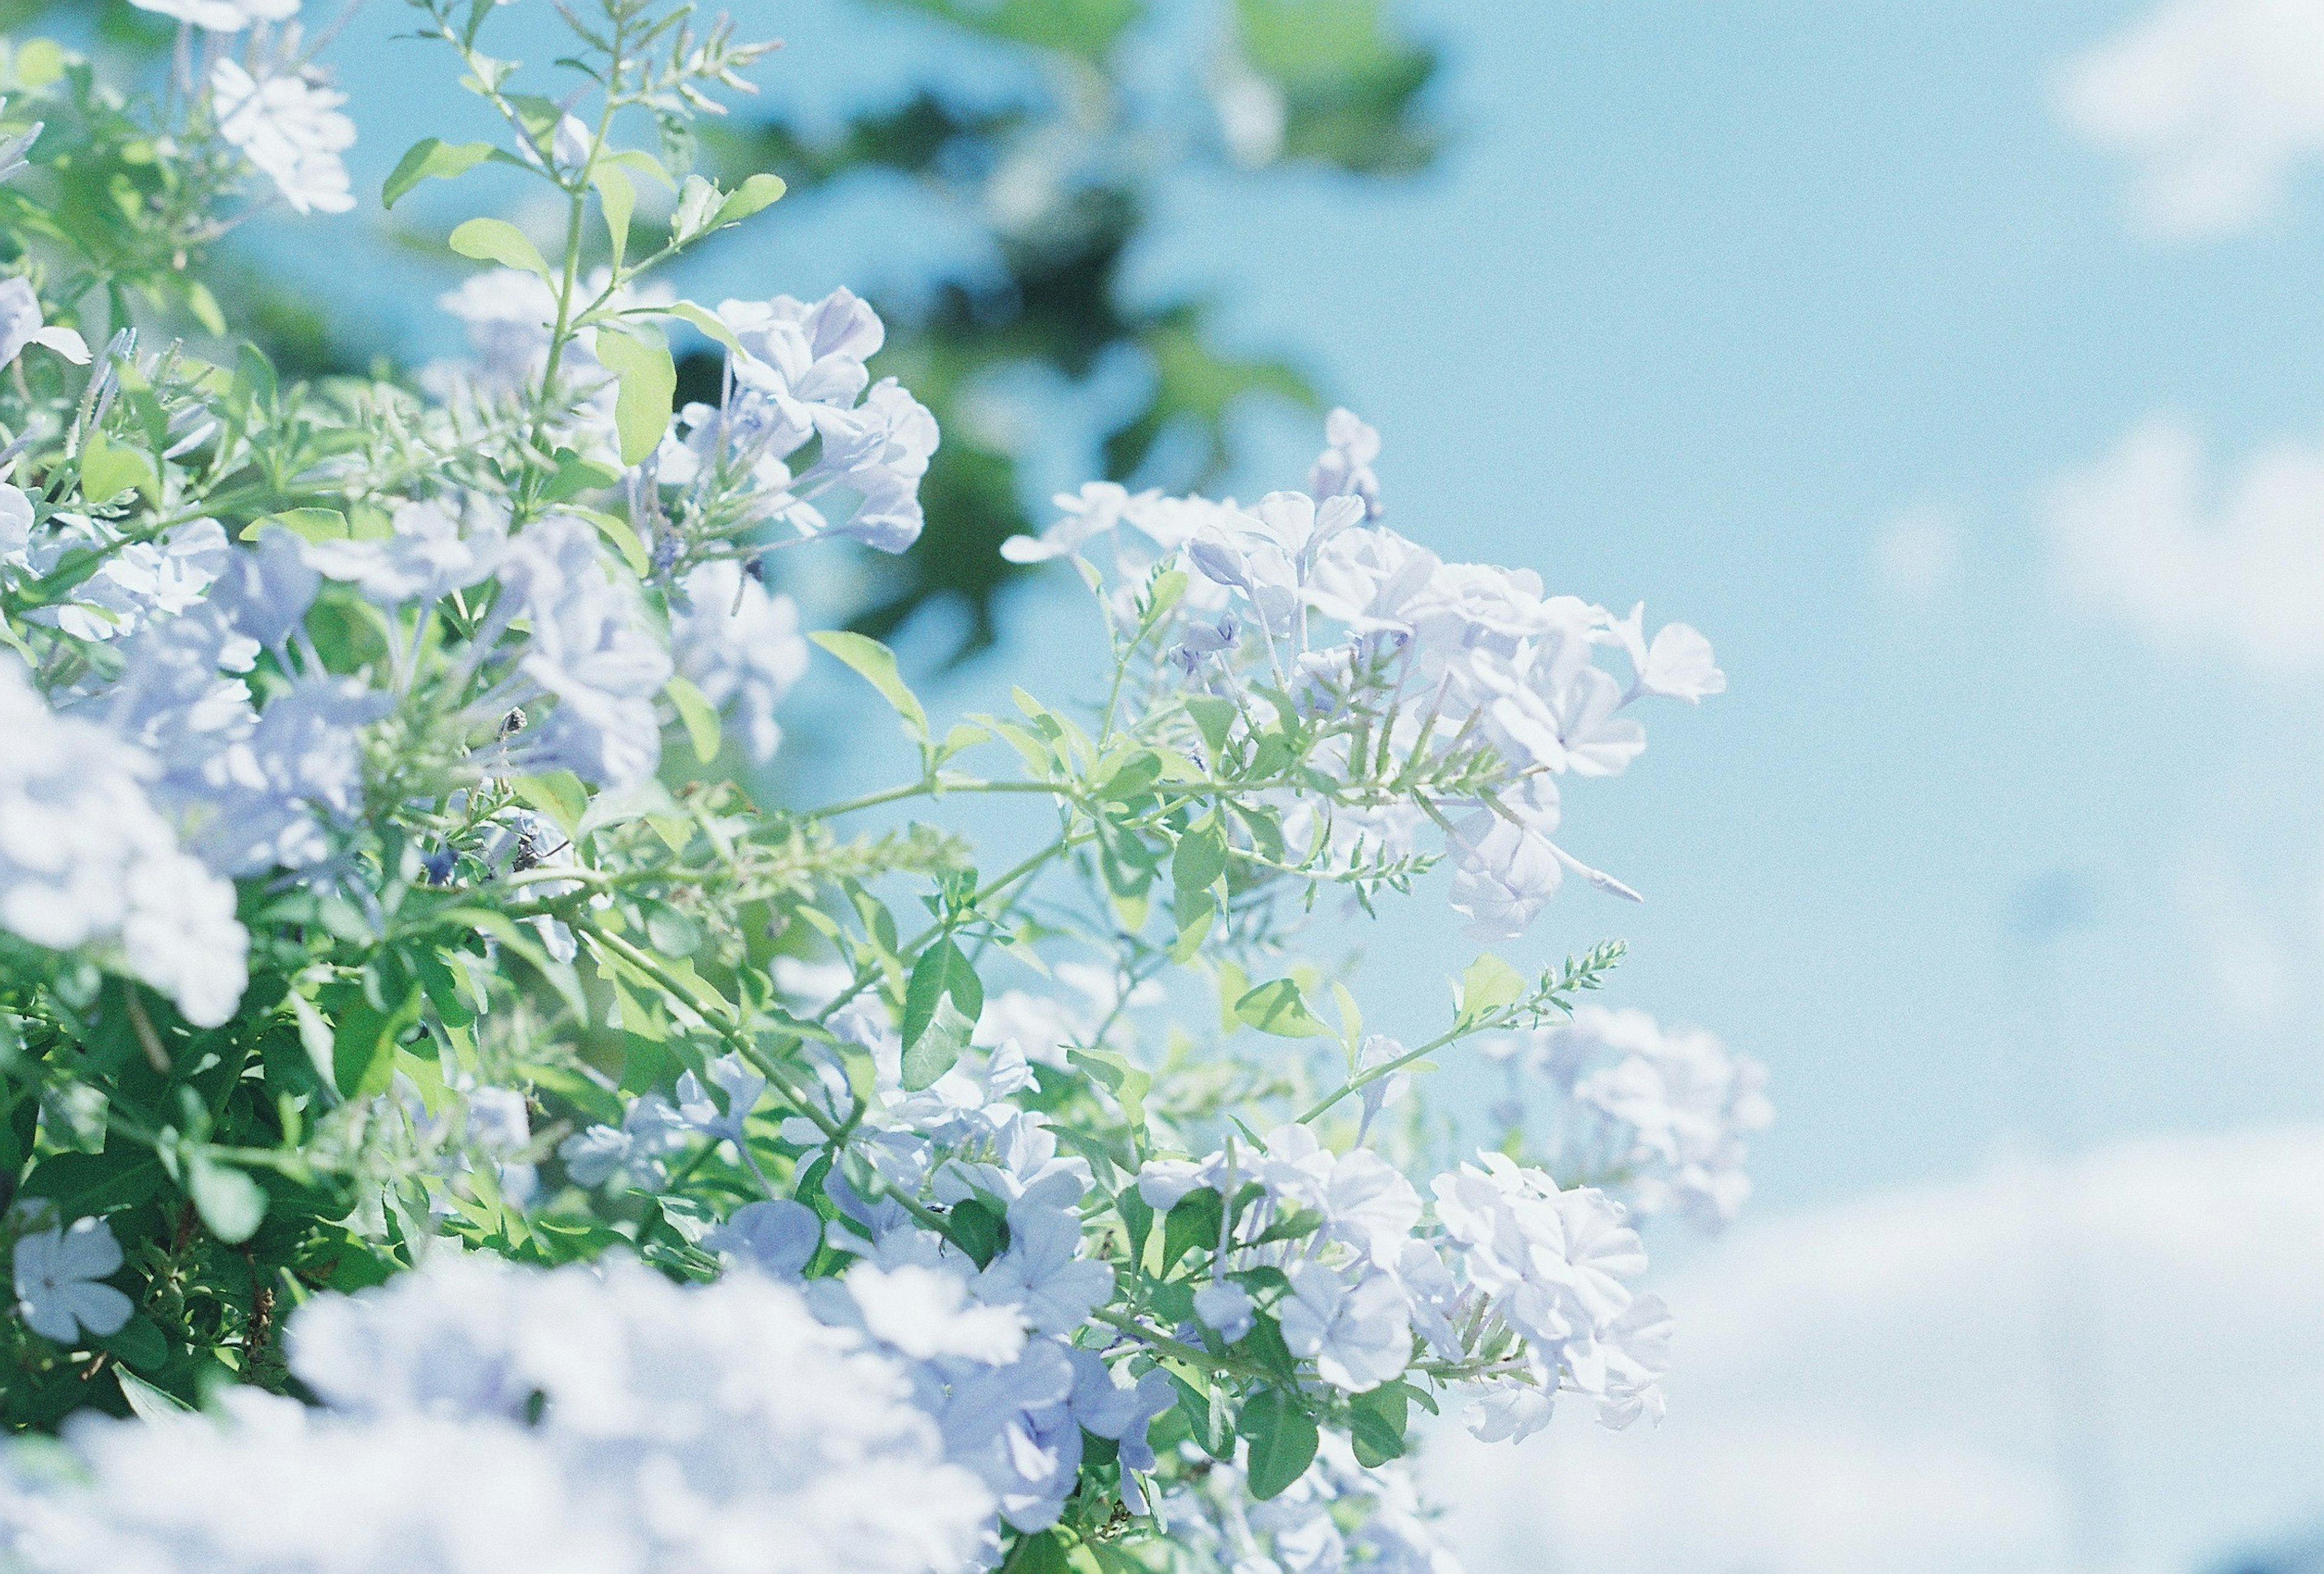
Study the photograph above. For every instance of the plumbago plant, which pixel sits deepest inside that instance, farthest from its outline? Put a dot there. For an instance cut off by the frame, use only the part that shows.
(450, 1123)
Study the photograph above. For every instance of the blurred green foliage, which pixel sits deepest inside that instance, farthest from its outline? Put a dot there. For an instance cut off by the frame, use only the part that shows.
(1287, 85)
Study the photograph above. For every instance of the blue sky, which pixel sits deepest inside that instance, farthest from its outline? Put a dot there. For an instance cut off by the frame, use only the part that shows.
(1786, 320)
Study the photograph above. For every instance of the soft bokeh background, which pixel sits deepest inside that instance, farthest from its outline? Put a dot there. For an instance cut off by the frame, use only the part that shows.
(1959, 368)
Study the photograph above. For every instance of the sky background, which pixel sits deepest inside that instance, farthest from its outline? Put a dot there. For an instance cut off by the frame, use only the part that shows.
(1956, 368)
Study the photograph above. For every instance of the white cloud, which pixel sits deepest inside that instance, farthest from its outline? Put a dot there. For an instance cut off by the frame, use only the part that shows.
(1918, 552)
(2218, 100)
(1947, 1380)
(2144, 533)
(2239, 944)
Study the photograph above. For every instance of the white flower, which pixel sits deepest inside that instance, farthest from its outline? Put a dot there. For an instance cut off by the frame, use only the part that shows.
(927, 1312)
(428, 552)
(776, 1237)
(57, 1270)
(1041, 1272)
(1344, 468)
(741, 647)
(221, 15)
(1225, 1308)
(1099, 508)
(1679, 666)
(1506, 876)
(85, 859)
(21, 324)
(291, 130)
(1358, 1333)
(484, 1416)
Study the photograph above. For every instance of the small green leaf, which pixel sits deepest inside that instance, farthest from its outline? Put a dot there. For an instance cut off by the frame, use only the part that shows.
(975, 1228)
(1283, 1439)
(429, 159)
(1206, 1417)
(757, 192)
(1193, 1226)
(107, 469)
(204, 308)
(313, 524)
(701, 717)
(140, 1343)
(496, 240)
(618, 198)
(229, 1201)
(1376, 1423)
(314, 1035)
(1487, 985)
(1214, 718)
(146, 1401)
(1201, 856)
(649, 381)
(942, 1002)
(709, 322)
(1276, 1008)
(557, 794)
(876, 664)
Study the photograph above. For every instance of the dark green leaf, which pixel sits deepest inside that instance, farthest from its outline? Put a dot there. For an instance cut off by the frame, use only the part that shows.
(1282, 1437)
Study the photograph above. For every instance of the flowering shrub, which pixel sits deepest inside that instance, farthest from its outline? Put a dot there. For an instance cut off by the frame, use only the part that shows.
(425, 1062)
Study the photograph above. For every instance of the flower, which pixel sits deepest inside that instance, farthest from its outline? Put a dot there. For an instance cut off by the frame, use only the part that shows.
(607, 1422)
(290, 129)
(776, 1237)
(1041, 1273)
(1225, 1309)
(85, 858)
(1359, 1331)
(428, 552)
(20, 325)
(221, 15)
(59, 1270)
(740, 647)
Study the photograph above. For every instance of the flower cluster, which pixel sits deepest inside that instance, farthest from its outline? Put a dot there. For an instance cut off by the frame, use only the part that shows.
(1661, 1116)
(391, 927)
(606, 1422)
(1439, 689)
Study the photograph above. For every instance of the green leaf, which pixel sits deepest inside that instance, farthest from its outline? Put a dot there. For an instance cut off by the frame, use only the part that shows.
(649, 381)
(701, 717)
(757, 192)
(709, 322)
(140, 1343)
(1043, 1554)
(876, 664)
(86, 1183)
(975, 1228)
(1206, 1417)
(429, 159)
(557, 794)
(314, 1036)
(618, 198)
(1136, 1218)
(313, 524)
(1201, 856)
(1376, 1423)
(941, 1005)
(107, 469)
(229, 1201)
(496, 240)
(146, 1401)
(1282, 1437)
(1191, 1226)
(1487, 985)
(1214, 719)
(1276, 1008)
(1127, 1083)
